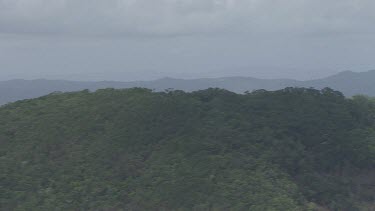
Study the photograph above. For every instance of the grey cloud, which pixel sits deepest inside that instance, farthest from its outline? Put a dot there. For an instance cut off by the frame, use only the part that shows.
(111, 16)
(140, 39)
(168, 17)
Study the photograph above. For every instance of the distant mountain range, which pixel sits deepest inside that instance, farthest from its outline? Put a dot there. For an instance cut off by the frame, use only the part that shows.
(349, 83)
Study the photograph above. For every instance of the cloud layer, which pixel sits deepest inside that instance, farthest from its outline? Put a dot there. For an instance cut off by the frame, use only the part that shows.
(175, 17)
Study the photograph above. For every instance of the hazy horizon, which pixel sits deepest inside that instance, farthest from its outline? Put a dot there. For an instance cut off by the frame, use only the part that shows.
(215, 76)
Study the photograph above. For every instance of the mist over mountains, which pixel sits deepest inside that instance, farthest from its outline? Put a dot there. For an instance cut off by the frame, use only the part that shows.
(347, 82)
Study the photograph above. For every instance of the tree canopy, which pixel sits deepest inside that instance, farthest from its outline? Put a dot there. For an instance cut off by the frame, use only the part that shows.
(134, 149)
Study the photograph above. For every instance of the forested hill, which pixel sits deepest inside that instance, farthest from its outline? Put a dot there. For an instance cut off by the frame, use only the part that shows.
(349, 83)
(134, 149)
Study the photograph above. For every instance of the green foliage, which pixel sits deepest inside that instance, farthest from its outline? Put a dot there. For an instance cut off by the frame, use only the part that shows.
(134, 149)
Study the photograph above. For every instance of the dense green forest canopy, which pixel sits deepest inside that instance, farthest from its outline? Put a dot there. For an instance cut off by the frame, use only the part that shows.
(134, 149)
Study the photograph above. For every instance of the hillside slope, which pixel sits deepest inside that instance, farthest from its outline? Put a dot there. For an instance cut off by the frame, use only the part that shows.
(134, 149)
(347, 82)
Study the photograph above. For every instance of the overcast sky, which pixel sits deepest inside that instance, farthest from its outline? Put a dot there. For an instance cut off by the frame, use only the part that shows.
(147, 39)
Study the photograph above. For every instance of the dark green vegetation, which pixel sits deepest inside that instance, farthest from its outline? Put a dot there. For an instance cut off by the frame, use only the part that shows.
(293, 149)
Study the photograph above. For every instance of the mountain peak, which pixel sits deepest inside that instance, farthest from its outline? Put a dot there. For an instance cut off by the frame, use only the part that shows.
(347, 72)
